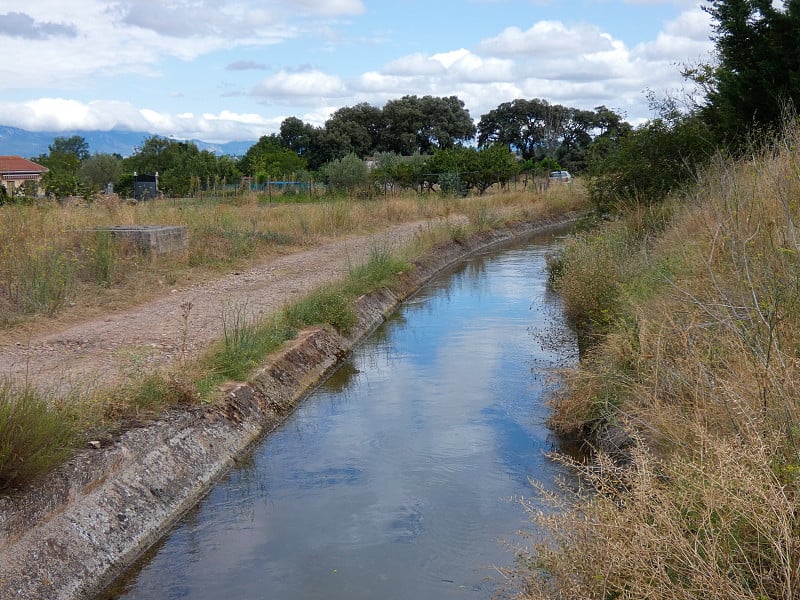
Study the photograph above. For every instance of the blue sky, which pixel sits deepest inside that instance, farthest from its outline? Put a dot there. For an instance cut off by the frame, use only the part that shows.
(223, 70)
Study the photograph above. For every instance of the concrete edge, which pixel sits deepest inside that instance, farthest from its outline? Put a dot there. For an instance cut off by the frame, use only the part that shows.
(87, 522)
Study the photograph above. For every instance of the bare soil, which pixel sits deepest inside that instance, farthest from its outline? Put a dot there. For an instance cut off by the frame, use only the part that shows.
(182, 323)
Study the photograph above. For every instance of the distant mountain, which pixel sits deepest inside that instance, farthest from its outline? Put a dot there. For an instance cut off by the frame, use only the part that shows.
(28, 144)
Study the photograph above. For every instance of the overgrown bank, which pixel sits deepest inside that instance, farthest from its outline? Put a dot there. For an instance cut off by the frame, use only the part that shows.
(689, 312)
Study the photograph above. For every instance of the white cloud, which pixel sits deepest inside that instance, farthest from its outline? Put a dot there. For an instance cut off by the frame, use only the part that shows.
(66, 43)
(547, 39)
(577, 64)
(414, 64)
(303, 84)
(59, 114)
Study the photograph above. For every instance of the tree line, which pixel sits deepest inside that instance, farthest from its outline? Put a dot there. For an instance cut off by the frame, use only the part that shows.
(409, 142)
(749, 89)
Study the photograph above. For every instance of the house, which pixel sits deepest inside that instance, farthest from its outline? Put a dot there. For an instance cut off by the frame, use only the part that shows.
(15, 171)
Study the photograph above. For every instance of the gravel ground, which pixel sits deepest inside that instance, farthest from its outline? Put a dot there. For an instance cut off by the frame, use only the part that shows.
(104, 350)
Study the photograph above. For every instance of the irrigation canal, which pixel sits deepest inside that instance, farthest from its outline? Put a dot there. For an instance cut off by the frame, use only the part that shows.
(397, 478)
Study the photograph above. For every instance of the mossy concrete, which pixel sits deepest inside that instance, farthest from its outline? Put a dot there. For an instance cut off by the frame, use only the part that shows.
(72, 534)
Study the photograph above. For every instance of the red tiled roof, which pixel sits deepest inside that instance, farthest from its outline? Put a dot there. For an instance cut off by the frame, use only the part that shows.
(17, 164)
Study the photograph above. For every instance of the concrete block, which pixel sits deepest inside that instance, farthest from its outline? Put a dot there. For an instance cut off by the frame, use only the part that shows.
(154, 240)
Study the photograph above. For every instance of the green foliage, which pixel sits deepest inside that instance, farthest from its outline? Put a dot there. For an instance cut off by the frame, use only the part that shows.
(537, 129)
(181, 166)
(758, 75)
(75, 145)
(357, 129)
(348, 174)
(378, 271)
(270, 158)
(649, 163)
(64, 161)
(36, 434)
(461, 169)
(425, 124)
(404, 126)
(245, 342)
(99, 170)
(330, 306)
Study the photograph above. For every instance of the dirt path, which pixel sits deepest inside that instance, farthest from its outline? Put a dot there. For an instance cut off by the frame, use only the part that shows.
(103, 350)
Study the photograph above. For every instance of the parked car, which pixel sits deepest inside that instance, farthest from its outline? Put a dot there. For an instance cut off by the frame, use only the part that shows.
(559, 177)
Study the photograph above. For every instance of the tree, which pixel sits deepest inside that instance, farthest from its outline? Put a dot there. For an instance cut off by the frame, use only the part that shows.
(495, 164)
(425, 124)
(360, 128)
(347, 174)
(537, 129)
(99, 170)
(74, 145)
(269, 158)
(758, 75)
(308, 142)
(63, 161)
(530, 127)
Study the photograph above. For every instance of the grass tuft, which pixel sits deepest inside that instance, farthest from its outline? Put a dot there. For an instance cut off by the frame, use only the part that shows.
(35, 435)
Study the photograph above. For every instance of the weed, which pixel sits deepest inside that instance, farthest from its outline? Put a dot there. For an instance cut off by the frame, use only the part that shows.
(36, 434)
(329, 305)
(378, 270)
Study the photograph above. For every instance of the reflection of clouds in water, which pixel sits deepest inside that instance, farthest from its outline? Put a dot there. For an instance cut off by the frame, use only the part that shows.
(399, 464)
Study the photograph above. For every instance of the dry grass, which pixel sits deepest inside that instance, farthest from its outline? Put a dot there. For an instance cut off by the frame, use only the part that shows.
(50, 266)
(700, 364)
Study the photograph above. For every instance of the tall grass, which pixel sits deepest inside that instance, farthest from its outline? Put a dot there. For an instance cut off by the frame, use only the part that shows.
(50, 258)
(36, 434)
(698, 361)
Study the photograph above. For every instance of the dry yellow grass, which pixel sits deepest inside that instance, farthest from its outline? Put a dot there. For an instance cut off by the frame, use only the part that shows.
(50, 266)
(700, 365)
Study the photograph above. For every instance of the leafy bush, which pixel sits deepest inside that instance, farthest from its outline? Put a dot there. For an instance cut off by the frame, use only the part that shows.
(648, 164)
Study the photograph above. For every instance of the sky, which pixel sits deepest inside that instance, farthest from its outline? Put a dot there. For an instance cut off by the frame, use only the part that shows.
(231, 70)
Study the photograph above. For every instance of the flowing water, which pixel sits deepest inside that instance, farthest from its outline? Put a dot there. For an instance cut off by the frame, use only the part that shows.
(400, 476)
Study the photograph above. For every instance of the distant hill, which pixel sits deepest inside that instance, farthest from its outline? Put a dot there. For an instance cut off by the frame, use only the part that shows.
(28, 144)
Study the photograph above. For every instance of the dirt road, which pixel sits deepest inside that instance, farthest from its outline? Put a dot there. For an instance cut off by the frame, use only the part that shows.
(104, 350)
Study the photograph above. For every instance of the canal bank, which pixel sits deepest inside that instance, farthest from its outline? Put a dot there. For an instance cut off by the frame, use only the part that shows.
(106, 507)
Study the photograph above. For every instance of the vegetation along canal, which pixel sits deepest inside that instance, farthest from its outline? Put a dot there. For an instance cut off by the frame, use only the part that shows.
(397, 477)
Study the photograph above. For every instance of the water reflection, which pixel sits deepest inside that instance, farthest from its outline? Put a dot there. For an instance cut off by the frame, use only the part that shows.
(393, 479)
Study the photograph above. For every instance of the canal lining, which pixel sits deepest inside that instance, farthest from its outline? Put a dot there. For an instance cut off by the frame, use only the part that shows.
(85, 523)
